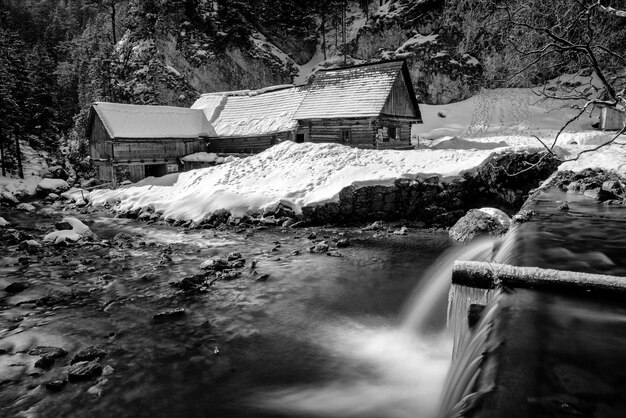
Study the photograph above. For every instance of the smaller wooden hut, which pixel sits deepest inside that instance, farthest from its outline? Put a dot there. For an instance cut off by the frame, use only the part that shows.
(131, 142)
(612, 119)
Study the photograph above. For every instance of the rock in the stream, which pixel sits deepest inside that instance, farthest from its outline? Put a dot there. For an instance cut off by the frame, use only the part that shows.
(563, 207)
(26, 207)
(478, 222)
(44, 363)
(262, 278)
(147, 277)
(233, 256)
(319, 248)
(215, 264)
(13, 236)
(3, 222)
(84, 370)
(63, 226)
(17, 287)
(47, 186)
(90, 353)
(171, 314)
(401, 231)
(343, 243)
(46, 351)
(374, 226)
(191, 283)
(79, 231)
(55, 385)
(237, 264)
(523, 216)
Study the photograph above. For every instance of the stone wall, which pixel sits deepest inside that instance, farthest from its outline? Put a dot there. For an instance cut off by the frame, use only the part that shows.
(434, 202)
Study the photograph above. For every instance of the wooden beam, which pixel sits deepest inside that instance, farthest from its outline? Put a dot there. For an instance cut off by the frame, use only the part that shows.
(489, 275)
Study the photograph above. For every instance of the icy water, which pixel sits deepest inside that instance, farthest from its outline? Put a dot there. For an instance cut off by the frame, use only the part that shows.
(549, 354)
(322, 336)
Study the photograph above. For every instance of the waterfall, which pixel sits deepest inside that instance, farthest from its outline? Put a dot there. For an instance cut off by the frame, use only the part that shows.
(423, 303)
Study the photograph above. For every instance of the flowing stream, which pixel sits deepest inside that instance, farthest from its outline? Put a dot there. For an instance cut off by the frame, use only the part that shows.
(322, 336)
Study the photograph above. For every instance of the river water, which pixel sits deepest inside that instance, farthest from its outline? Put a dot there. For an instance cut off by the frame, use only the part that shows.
(322, 336)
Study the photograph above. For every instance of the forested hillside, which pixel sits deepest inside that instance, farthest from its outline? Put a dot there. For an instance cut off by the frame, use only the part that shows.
(58, 56)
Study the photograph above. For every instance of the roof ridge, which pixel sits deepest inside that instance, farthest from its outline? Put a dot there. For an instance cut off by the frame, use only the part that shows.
(397, 60)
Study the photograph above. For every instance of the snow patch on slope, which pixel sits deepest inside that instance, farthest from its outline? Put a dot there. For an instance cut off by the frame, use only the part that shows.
(293, 174)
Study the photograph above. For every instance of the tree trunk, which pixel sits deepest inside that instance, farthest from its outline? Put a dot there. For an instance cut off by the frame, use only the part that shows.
(4, 169)
(18, 154)
(324, 31)
(343, 28)
(113, 22)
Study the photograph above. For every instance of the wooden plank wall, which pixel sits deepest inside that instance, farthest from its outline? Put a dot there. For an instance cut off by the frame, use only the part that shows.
(137, 172)
(246, 145)
(398, 102)
(611, 119)
(362, 133)
(105, 171)
(126, 150)
(100, 146)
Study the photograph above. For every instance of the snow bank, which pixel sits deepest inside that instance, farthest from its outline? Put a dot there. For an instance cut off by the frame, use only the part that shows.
(79, 231)
(611, 157)
(19, 187)
(296, 175)
(200, 157)
(512, 115)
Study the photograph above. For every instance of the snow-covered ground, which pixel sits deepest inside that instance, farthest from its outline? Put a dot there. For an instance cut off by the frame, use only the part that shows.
(297, 175)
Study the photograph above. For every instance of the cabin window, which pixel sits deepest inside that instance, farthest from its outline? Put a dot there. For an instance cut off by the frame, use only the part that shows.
(346, 136)
(383, 134)
(299, 138)
(392, 132)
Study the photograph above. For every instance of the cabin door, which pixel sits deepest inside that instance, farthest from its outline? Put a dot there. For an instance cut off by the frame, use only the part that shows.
(156, 170)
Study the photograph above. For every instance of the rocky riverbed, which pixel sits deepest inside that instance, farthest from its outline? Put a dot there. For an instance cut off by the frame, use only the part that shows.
(139, 319)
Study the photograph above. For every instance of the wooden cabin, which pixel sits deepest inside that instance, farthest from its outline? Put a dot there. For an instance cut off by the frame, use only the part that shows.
(251, 121)
(131, 142)
(366, 106)
(612, 119)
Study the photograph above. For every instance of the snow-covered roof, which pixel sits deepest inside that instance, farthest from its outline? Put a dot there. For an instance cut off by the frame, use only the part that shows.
(252, 112)
(358, 91)
(142, 121)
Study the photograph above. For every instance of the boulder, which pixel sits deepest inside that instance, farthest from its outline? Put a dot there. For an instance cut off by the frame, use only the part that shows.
(479, 222)
(79, 232)
(3, 222)
(47, 186)
(8, 197)
(26, 207)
